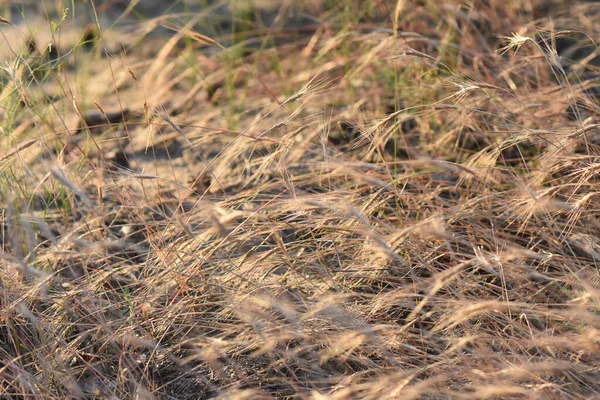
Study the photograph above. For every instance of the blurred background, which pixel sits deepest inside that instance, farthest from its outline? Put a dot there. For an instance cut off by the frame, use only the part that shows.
(124, 11)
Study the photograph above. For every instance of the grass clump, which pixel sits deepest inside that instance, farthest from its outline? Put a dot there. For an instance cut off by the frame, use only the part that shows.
(322, 200)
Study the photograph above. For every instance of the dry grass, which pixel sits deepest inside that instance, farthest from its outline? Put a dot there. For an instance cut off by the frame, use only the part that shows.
(331, 209)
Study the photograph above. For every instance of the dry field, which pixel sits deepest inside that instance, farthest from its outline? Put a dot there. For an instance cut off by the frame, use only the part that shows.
(301, 199)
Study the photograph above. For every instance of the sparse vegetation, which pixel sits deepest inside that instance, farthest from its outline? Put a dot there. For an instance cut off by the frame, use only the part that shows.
(296, 200)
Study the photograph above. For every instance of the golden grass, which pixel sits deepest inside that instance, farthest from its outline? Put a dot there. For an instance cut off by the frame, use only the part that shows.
(391, 199)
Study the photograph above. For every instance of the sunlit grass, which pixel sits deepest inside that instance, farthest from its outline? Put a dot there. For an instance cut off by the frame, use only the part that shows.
(354, 199)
